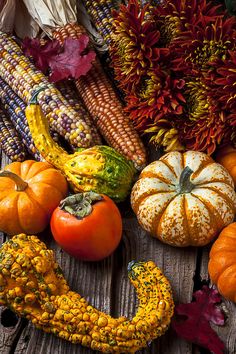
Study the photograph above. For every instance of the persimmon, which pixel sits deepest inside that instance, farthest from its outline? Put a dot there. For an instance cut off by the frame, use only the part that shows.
(87, 226)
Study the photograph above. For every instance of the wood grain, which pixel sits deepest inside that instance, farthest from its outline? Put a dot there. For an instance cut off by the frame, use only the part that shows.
(227, 333)
(106, 286)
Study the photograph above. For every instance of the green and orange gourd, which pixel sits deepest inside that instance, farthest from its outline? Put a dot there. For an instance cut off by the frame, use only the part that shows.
(99, 168)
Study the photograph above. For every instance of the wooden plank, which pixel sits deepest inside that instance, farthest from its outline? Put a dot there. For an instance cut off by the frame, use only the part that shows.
(177, 264)
(106, 286)
(227, 333)
(11, 327)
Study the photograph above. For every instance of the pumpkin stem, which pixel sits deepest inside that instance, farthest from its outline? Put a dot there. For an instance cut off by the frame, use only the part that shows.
(185, 185)
(20, 185)
(80, 204)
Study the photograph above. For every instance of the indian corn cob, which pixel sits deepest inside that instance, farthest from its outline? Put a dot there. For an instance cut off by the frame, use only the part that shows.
(144, 2)
(100, 12)
(68, 90)
(33, 285)
(10, 141)
(25, 79)
(104, 105)
(15, 108)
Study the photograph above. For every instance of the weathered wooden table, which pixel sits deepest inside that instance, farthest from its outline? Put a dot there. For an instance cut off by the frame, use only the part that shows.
(106, 286)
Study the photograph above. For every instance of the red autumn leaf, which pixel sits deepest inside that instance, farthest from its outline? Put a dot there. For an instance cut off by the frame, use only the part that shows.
(192, 320)
(41, 53)
(71, 63)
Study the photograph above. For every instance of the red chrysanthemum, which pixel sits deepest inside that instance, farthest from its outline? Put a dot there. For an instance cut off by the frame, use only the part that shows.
(135, 45)
(221, 79)
(139, 63)
(175, 16)
(176, 62)
(158, 96)
(205, 124)
(204, 44)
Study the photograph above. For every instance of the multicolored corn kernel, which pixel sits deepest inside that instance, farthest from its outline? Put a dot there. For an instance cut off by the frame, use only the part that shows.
(104, 106)
(100, 12)
(68, 90)
(24, 79)
(10, 141)
(15, 109)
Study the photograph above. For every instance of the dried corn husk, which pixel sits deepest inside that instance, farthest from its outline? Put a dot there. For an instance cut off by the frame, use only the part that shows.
(22, 23)
(7, 15)
(2, 4)
(84, 19)
(50, 14)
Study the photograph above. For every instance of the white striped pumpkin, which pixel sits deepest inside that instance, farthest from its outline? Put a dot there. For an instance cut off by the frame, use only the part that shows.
(184, 199)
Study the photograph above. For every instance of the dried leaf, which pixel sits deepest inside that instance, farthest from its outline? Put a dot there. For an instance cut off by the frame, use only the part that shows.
(41, 53)
(192, 320)
(71, 63)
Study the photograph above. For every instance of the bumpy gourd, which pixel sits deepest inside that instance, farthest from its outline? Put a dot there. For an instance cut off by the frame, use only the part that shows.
(32, 285)
(99, 168)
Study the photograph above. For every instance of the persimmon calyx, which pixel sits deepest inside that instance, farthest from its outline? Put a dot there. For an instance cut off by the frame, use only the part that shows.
(80, 204)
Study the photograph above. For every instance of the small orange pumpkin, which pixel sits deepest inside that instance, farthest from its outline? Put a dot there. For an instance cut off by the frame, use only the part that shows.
(222, 263)
(226, 156)
(29, 192)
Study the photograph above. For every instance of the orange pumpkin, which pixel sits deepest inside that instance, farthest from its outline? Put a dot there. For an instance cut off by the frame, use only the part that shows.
(29, 192)
(184, 199)
(222, 263)
(226, 156)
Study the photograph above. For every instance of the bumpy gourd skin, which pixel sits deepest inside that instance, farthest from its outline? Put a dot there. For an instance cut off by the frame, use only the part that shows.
(99, 168)
(32, 285)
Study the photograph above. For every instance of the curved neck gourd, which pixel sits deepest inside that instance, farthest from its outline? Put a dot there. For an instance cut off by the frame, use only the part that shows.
(33, 286)
(98, 168)
(39, 128)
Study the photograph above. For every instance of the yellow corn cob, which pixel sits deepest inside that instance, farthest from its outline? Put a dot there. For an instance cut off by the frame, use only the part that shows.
(104, 106)
(25, 79)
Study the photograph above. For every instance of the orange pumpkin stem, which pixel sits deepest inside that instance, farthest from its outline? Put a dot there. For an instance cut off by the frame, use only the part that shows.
(20, 185)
